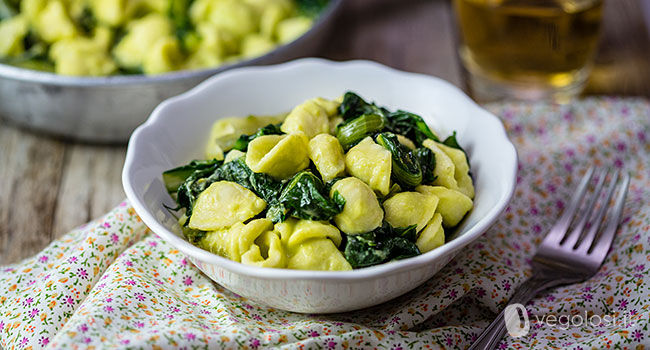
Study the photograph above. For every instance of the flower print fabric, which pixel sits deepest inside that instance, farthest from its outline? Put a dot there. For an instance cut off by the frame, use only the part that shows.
(113, 284)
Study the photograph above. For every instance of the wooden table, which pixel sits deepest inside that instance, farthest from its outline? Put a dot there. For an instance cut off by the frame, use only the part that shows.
(49, 186)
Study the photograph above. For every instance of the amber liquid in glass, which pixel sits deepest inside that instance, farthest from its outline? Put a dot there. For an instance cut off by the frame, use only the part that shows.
(534, 48)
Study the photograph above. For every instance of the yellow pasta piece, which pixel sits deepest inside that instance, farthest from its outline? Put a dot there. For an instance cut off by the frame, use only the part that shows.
(291, 28)
(280, 156)
(216, 241)
(267, 252)
(53, 22)
(234, 154)
(371, 163)
(294, 232)
(253, 243)
(213, 151)
(452, 169)
(433, 235)
(256, 45)
(452, 205)
(164, 56)
(318, 254)
(31, 9)
(142, 35)
(111, 12)
(410, 208)
(461, 169)
(223, 204)
(361, 212)
(331, 107)
(84, 56)
(226, 131)
(309, 118)
(233, 16)
(327, 154)
(12, 33)
(270, 17)
(334, 122)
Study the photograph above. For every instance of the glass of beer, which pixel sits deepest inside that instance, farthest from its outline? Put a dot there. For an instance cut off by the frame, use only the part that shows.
(528, 49)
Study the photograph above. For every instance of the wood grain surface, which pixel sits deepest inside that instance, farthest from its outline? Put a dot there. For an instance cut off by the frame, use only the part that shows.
(48, 186)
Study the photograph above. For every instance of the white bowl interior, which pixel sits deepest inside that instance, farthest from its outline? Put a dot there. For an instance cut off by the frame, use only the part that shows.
(178, 129)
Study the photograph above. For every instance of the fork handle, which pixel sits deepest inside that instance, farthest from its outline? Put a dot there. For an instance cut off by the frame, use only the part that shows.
(495, 331)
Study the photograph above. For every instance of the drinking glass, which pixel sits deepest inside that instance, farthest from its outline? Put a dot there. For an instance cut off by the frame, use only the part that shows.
(528, 49)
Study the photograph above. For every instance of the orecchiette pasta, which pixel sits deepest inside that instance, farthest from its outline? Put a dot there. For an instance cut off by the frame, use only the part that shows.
(226, 131)
(278, 155)
(312, 245)
(232, 155)
(309, 118)
(452, 204)
(461, 170)
(361, 212)
(410, 208)
(318, 254)
(143, 34)
(294, 232)
(269, 246)
(433, 235)
(447, 173)
(223, 204)
(326, 153)
(371, 163)
(336, 185)
(12, 33)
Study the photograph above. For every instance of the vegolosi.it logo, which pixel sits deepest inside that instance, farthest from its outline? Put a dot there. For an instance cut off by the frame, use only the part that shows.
(518, 322)
(516, 318)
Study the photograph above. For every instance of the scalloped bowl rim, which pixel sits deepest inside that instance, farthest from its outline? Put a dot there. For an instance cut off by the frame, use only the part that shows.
(509, 159)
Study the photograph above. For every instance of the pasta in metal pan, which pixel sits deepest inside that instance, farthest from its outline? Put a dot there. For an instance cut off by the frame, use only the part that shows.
(111, 37)
(292, 192)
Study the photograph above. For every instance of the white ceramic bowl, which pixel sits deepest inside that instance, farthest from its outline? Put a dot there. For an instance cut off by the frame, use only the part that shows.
(177, 131)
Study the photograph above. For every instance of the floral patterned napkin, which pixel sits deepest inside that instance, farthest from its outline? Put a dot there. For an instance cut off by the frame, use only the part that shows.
(113, 284)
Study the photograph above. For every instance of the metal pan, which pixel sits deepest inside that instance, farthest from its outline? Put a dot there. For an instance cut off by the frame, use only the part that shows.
(108, 109)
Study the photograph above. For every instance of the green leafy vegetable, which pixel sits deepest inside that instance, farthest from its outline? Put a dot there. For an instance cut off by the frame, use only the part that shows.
(34, 57)
(330, 183)
(204, 173)
(406, 169)
(192, 235)
(354, 106)
(311, 8)
(427, 160)
(304, 197)
(175, 177)
(354, 130)
(243, 141)
(87, 21)
(179, 14)
(263, 185)
(189, 190)
(382, 244)
(363, 250)
(410, 125)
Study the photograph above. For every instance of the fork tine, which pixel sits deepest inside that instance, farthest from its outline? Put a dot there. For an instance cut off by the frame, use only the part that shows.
(586, 242)
(572, 237)
(558, 231)
(601, 246)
